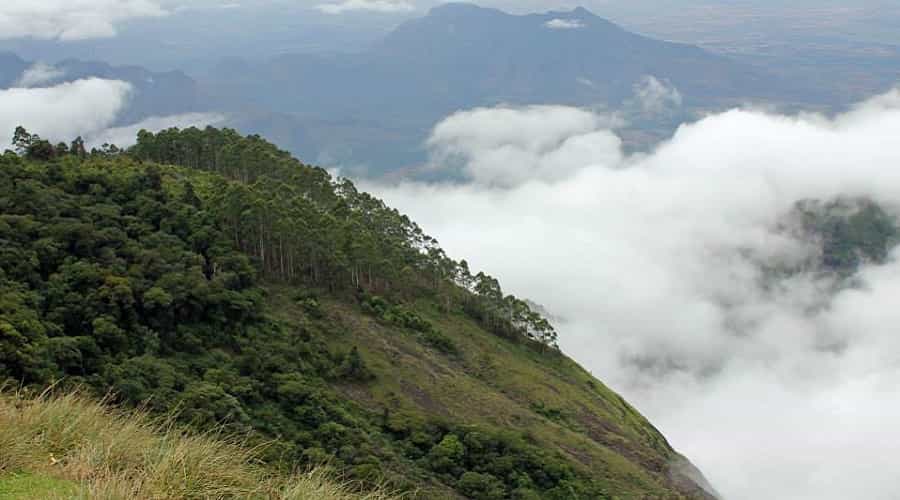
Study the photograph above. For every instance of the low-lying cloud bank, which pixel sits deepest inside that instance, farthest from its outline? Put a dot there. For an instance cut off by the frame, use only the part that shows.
(39, 74)
(785, 392)
(64, 111)
(88, 108)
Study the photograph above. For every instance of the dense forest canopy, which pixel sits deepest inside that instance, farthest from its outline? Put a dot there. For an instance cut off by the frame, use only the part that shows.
(301, 225)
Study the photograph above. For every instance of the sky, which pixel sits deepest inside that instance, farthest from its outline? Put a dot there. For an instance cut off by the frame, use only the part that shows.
(651, 261)
(191, 35)
(87, 19)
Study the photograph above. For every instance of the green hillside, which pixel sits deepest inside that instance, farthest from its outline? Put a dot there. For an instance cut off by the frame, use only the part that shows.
(214, 274)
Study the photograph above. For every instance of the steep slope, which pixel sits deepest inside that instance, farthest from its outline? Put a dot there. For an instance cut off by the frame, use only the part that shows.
(215, 274)
(478, 385)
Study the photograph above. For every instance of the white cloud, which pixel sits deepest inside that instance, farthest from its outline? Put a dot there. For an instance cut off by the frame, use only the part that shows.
(564, 24)
(654, 96)
(126, 136)
(653, 261)
(366, 5)
(88, 108)
(510, 146)
(70, 19)
(39, 74)
(65, 111)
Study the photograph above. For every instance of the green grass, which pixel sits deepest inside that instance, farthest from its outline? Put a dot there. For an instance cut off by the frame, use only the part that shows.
(69, 446)
(35, 486)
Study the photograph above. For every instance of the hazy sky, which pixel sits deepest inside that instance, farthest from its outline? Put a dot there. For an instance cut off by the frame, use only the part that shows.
(82, 19)
(187, 34)
(597, 5)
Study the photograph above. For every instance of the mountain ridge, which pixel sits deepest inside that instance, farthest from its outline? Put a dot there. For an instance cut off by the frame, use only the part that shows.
(370, 112)
(461, 56)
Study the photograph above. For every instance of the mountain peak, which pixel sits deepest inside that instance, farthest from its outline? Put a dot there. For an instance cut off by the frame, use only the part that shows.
(582, 12)
(466, 8)
(458, 8)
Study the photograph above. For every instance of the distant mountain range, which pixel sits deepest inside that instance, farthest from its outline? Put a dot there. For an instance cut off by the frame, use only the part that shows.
(370, 112)
(381, 103)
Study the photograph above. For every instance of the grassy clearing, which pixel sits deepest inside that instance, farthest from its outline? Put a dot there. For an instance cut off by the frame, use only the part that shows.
(34, 487)
(68, 446)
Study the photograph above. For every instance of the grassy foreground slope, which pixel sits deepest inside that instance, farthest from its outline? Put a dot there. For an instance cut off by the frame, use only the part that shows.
(214, 274)
(69, 446)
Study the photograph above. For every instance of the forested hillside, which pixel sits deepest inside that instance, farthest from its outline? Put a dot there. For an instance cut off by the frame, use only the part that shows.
(213, 273)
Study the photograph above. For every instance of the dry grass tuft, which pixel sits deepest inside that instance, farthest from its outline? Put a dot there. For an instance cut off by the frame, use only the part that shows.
(114, 454)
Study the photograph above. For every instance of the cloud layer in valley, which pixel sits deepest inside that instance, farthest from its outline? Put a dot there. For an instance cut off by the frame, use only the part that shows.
(655, 97)
(70, 19)
(64, 111)
(39, 74)
(510, 146)
(785, 389)
(89, 108)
